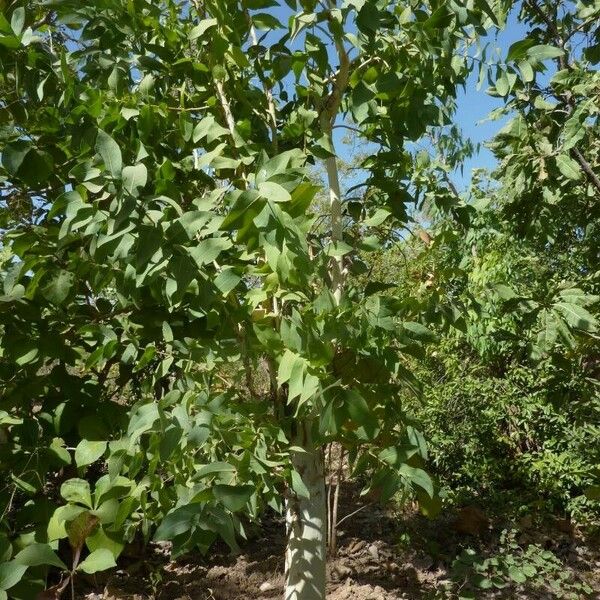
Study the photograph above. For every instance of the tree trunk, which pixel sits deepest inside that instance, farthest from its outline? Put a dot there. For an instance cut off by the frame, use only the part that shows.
(336, 268)
(305, 557)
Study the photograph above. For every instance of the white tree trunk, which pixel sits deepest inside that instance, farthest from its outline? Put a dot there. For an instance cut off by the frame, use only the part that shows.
(336, 269)
(306, 524)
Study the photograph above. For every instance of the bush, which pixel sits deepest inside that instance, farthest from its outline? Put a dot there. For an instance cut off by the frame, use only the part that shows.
(527, 436)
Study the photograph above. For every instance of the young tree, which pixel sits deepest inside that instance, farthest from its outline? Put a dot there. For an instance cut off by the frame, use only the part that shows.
(161, 151)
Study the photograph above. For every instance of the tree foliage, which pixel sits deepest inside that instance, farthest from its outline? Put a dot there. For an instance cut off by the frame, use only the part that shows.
(177, 326)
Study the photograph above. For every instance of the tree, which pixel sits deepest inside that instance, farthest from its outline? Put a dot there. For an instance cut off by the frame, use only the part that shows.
(157, 154)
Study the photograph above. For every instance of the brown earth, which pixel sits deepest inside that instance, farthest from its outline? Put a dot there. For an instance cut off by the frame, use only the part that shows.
(382, 556)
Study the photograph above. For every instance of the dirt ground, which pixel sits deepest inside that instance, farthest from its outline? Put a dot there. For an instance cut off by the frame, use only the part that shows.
(382, 556)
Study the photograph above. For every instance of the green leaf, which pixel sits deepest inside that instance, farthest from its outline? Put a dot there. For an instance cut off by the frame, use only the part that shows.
(418, 477)
(526, 71)
(39, 554)
(208, 250)
(61, 516)
(274, 192)
(504, 83)
(577, 316)
(78, 491)
(109, 541)
(299, 486)
(323, 147)
(380, 215)
(208, 128)
(201, 28)
(338, 248)
(227, 280)
(110, 152)
(88, 452)
(17, 20)
(25, 352)
(58, 288)
(4, 24)
(578, 296)
(233, 497)
(518, 50)
(266, 21)
(504, 291)
(568, 167)
(215, 467)
(10, 574)
(517, 575)
(99, 560)
(178, 521)
(549, 331)
(13, 156)
(543, 52)
(418, 331)
(134, 177)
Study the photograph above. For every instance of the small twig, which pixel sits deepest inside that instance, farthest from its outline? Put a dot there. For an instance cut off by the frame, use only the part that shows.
(353, 513)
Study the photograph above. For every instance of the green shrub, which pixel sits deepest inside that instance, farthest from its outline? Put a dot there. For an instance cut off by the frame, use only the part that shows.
(527, 435)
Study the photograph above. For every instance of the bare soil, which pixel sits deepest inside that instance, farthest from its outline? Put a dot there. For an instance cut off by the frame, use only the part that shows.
(382, 556)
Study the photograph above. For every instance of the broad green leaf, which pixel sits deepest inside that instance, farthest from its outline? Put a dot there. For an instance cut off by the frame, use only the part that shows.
(208, 250)
(215, 467)
(518, 50)
(266, 21)
(134, 177)
(10, 574)
(227, 280)
(577, 316)
(418, 331)
(109, 541)
(61, 516)
(200, 29)
(578, 296)
(543, 52)
(88, 451)
(25, 352)
(110, 152)
(568, 167)
(526, 71)
(380, 215)
(233, 497)
(17, 20)
(39, 554)
(13, 156)
(517, 575)
(99, 560)
(78, 491)
(59, 286)
(178, 521)
(418, 477)
(338, 249)
(299, 486)
(6, 419)
(548, 332)
(274, 192)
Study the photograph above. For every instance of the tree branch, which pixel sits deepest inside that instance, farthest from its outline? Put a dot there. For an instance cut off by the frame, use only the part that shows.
(267, 90)
(586, 168)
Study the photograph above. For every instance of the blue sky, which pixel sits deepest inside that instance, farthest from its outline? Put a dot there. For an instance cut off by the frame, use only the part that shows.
(475, 105)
